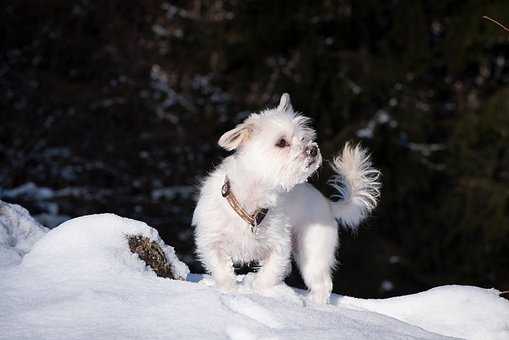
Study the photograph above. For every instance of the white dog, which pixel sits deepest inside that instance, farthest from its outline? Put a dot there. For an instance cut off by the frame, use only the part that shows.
(255, 205)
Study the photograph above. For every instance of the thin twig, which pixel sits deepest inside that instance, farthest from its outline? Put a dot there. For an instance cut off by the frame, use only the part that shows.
(496, 22)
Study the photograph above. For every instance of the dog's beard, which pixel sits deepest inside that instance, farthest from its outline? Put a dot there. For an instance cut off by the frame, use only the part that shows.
(297, 171)
(310, 164)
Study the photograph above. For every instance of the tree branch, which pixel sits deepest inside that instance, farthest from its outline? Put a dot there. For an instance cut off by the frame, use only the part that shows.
(496, 22)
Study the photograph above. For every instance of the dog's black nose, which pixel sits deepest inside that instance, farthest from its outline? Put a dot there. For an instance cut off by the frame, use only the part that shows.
(312, 150)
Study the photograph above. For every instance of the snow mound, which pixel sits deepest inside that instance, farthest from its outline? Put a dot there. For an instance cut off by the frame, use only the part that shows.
(80, 281)
(459, 311)
(18, 233)
(95, 244)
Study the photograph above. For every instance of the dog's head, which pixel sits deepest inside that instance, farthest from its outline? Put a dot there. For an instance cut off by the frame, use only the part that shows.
(277, 145)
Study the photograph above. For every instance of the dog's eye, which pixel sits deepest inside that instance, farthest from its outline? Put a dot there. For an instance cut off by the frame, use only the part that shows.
(282, 143)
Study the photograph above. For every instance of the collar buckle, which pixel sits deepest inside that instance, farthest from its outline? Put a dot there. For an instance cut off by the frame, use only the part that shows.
(225, 189)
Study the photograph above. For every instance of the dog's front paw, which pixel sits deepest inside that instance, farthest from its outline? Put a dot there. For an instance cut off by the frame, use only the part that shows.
(262, 284)
(227, 285)
(319, 297)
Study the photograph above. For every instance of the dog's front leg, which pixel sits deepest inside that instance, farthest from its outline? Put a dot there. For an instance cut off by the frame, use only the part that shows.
(274, 269)
(220, 267)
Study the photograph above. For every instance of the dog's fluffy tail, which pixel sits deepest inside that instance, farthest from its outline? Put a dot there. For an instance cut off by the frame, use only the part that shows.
(357, 183)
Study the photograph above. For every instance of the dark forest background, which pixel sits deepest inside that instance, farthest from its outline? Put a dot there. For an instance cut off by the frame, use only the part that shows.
(116, 106)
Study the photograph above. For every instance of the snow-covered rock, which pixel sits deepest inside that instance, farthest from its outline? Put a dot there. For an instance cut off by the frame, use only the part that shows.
(80, 281)
(95, 245)
(18, 233)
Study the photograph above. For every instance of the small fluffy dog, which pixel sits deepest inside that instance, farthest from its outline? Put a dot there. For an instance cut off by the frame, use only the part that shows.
(256, 206)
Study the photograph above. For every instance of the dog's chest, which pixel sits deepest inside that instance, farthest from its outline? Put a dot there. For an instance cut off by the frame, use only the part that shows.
(244, 245)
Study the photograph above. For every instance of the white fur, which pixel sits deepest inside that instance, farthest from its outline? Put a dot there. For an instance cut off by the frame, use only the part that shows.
(300, 219)
(357, 185)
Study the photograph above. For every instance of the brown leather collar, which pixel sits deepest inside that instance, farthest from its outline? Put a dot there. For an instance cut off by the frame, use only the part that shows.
(255, 219)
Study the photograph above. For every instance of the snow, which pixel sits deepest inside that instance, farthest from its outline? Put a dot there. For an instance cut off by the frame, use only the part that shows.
(29, 190)
(382, 117)
(459, 311)
(96, 243)
(170, 193)
(80, 281)
(18, 233)
(42, 197)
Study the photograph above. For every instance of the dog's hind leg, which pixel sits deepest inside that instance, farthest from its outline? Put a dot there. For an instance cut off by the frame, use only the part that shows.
(320, 284)
(315, 256)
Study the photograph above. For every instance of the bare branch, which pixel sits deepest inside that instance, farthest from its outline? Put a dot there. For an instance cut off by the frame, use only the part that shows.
(496, 22)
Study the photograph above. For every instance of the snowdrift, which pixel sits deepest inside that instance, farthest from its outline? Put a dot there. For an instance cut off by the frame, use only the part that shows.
(80, 281)
(18, 233)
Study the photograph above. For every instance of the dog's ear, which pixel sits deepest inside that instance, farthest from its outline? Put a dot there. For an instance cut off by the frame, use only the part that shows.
(284, 103)
(234, 138)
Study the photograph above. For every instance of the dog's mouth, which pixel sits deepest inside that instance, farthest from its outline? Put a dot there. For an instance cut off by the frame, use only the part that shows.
(311, 162)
